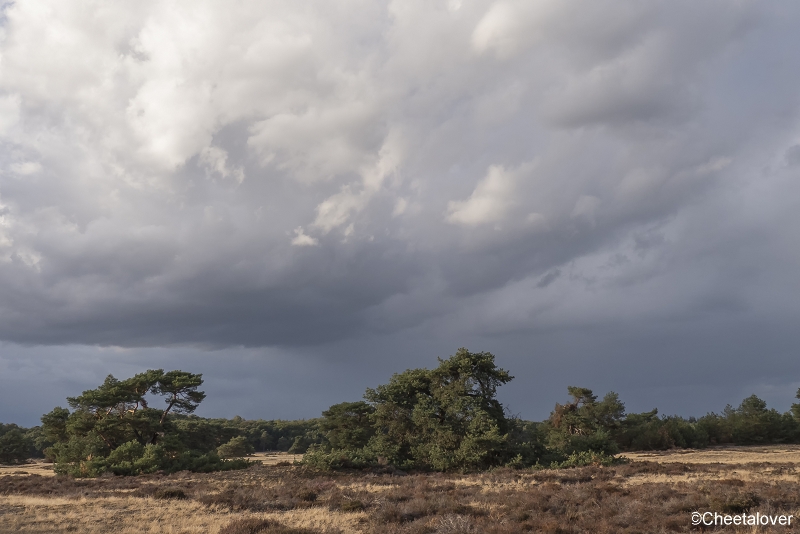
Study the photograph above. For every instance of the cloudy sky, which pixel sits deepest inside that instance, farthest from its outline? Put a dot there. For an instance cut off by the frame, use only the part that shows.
(299, 198)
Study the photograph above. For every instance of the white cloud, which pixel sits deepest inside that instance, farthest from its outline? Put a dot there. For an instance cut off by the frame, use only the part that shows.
(215, 160)
(488, 203)
(337, 209)
(301, 239)
(26, 167)
(499, 30)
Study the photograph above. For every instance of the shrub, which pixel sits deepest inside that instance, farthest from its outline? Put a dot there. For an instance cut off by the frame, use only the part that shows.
(169, 493)
(352, 506)
(319, 458)
(237, 447)
(259, 526)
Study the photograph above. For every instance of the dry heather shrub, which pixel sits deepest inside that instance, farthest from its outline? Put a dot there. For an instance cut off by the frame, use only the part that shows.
(169, 493)
(600, 500)
(734, 502)
(454, 524)
(63, 486)
(261, 526)
(240, 499)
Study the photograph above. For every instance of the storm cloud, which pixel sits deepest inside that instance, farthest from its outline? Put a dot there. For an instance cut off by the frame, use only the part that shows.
(304, 197)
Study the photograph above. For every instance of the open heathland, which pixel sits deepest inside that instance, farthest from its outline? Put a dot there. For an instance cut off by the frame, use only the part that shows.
(651, 496)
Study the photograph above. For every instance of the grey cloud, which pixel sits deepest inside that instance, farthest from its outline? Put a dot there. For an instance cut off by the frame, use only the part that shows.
(538, 179)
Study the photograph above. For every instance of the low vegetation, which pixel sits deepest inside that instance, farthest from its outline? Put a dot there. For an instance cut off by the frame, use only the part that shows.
(635, 497)
(446, 419)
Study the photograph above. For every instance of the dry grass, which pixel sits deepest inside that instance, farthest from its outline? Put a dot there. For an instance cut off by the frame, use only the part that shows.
(646, 497)
(725, 455)
(34, 468)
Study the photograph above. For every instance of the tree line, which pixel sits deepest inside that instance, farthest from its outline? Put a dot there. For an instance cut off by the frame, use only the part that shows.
(442, 419)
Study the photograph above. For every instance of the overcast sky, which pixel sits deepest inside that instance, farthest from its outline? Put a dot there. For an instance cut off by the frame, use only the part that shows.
(298, 199)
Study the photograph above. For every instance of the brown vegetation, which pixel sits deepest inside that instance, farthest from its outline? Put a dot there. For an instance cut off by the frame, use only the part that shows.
(646, 497)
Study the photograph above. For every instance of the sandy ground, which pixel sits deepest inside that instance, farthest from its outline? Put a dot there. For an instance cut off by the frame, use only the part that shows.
(46, 469)
(724, 455)
(37, 468)
(272, 458)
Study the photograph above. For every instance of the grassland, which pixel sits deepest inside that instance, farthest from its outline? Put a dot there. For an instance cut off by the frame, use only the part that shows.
(655, 492)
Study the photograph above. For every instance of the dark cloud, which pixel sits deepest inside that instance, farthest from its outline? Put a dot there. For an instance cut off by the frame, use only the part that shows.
(300, 199)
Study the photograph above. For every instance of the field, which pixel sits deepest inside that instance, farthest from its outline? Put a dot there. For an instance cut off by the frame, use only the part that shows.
(654, 492)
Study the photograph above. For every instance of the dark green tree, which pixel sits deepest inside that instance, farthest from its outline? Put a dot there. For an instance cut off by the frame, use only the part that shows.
(445, 418)
(348, 425)
(585, 424)
(14, 447)
(114, 427)
(753, 422)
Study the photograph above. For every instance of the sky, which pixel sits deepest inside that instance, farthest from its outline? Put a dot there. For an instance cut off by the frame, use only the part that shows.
(298, 199)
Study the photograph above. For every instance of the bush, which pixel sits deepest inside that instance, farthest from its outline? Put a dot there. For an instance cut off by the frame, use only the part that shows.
(260, 526)
(237, 447)
(319, 458)
(169, 494)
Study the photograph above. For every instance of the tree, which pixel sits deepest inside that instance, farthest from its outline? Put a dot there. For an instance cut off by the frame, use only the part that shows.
(753, 422)
(118, 410)
(180, 388)
(442, 419)
(348, 425)
(14, 447)
(114, 427)
(585, 424)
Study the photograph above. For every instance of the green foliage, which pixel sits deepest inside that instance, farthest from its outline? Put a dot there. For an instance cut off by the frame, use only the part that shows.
(753, 423)
(348, 425)
(237, 447)
(442, 419)
(647, 431)
(750, 423)
(14, 445)
(114, 429)
(585, 424)
(325, 459)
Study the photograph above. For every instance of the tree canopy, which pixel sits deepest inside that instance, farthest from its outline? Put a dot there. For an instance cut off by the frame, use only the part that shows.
(114, 427)
(441, 419)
